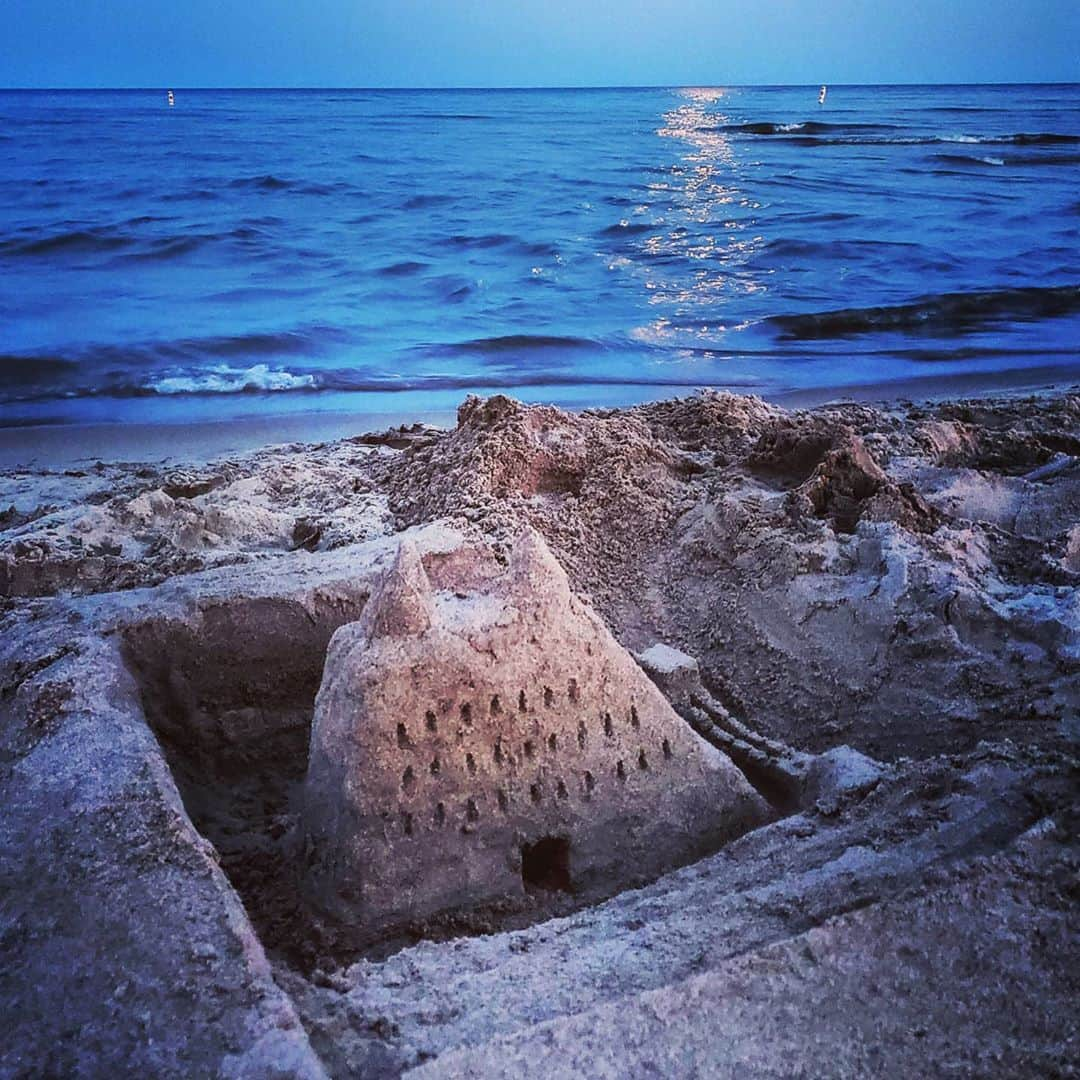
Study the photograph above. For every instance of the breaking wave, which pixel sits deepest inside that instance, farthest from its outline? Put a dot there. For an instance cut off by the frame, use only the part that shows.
(221, 379)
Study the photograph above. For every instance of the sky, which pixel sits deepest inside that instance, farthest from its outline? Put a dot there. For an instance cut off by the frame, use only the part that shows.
(414, 43)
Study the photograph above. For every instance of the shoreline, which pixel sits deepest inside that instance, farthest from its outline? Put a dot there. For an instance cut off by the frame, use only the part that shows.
(54, 446)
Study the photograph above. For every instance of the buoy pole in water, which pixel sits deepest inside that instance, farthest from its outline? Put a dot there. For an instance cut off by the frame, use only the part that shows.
(172, 100)
(821, 95)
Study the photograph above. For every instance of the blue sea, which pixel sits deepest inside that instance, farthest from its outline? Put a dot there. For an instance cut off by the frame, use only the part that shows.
(264, 252)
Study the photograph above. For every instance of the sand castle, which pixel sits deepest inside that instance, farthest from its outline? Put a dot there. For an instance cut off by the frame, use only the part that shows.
(484, 735)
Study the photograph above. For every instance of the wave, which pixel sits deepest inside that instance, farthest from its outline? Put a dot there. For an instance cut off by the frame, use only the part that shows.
(277, 343)
(947, 313)
(191, 195)
(258, 379)
(800, 253)
(159, 359)
(221, 379)
(1055, 159)
(832, 248)
(402, 269)
(43, 378)
(27, 371)
(515, 343)
(629, 228)
(968, 159)
(167, 248)
(1008, 159)
(420, 202)
(73, 242)
(452, 288)
(270, 182)
(500, 240)
(806, 127)
(263, 183)
(263, 380)
(1044, 138)
(443, 116)
(814, 133)
(124, 242)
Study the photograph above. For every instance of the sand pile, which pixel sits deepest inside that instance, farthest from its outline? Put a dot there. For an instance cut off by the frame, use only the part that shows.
(488, 737)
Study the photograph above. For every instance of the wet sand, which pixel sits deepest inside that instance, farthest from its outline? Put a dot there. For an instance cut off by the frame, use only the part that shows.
(63, 445)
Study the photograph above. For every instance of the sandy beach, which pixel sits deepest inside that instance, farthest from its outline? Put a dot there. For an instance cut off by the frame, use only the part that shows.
(870, 612)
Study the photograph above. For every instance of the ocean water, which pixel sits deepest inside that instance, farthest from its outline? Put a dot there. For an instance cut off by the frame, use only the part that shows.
(257, 252)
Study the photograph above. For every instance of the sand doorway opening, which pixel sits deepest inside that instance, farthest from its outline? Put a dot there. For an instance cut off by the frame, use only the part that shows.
(545, 865)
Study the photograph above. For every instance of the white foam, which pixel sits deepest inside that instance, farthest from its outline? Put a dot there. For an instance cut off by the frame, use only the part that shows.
(223, 379)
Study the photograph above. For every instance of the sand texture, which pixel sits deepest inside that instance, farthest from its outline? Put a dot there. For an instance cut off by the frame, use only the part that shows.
(850, 633)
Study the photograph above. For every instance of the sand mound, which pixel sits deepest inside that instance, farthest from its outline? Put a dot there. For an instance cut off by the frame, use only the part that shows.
(473, 742)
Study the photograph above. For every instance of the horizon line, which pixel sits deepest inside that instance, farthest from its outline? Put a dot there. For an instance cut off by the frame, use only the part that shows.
(533, 87)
